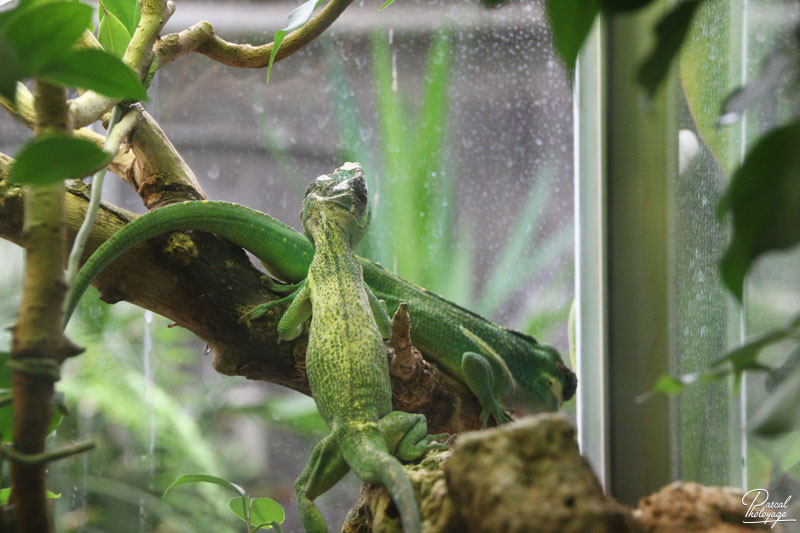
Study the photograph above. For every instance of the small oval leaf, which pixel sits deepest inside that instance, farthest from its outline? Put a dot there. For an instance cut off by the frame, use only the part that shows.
(113, 35)
(297, 19)
(97, 70)
(205, 478)
(124, 10)
(570, 22)
(264, 510)
(53, 158)
(42, 32)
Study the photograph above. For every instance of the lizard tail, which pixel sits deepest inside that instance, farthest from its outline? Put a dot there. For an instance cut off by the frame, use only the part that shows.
(364, 450)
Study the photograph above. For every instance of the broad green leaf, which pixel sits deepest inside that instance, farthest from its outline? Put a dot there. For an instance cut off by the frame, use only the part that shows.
(779, 414)
(205, 478)
(6, 492)
(96, 70)
(11, 71)
(570, 22)
(125, 11)
(297, 19)
(262, 510)
(670, 31)
(764, 199)
(707, 77)
(43, 32)
(113, 35)
(54, 158)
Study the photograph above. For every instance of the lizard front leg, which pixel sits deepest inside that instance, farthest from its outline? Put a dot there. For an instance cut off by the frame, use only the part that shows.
(487, 386)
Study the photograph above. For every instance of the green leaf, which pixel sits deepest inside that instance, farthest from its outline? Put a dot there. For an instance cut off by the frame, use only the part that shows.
(570, 22)
(11, 71)
(96, 70)
(706, 80)
(772, 75)
(125, 11)
(779, 414)
(671, 31)
(297, 18)
(6, 492)
(262, 510)
(57, 157)
(113, 35)
(764, 199)
(205, 478)
(745, 357)
(43, 32)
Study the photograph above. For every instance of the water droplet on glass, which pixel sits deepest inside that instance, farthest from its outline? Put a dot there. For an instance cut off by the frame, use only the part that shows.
(213, 171)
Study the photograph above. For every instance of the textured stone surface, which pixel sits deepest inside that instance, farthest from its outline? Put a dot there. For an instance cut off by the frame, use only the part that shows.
(529, 476)
(685, 507)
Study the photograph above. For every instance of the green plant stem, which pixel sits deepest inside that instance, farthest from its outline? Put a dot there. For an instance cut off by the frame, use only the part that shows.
(117, 128)
(45, 457)
(38, 331)
(90, 106)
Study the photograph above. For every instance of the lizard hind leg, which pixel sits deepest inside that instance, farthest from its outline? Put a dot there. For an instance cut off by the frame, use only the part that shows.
(366, 453)
(325, 468)
(484, 385)
(407, 435)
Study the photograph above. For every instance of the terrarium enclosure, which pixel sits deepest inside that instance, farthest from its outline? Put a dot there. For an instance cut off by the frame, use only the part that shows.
(617, 179)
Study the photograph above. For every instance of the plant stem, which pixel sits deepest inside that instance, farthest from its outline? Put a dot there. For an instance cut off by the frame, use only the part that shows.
(38, 331)
(111, 145)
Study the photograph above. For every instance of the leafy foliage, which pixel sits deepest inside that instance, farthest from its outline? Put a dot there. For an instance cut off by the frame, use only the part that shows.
(670, 33)
(297, 19)
(36, 41)
(570, 21)
(764, 200)
(52, 158)
(262, 512)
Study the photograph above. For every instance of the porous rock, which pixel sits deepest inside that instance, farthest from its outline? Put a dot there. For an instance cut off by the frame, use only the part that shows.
(687, 507)
(529, 476)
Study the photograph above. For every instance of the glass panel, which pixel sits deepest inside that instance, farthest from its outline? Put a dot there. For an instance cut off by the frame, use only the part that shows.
(726, 48)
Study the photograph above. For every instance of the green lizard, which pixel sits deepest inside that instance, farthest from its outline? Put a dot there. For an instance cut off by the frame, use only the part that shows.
(348, 372)
(492, 361)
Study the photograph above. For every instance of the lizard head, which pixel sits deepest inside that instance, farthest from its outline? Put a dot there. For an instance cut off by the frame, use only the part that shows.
(552, 385)
(341, 198)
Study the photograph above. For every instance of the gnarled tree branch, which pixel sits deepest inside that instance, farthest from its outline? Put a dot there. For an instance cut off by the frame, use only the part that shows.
(201, 38)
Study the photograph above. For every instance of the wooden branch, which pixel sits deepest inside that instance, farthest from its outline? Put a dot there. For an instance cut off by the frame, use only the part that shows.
(159, 174)
(205, 284)
(201, 39)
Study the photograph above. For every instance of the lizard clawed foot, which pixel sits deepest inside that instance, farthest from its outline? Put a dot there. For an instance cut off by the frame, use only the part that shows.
(432, 445)
(259, 310)
(501, 416)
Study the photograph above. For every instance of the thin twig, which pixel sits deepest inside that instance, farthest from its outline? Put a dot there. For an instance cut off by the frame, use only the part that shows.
(117, 130)
(201, 39)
